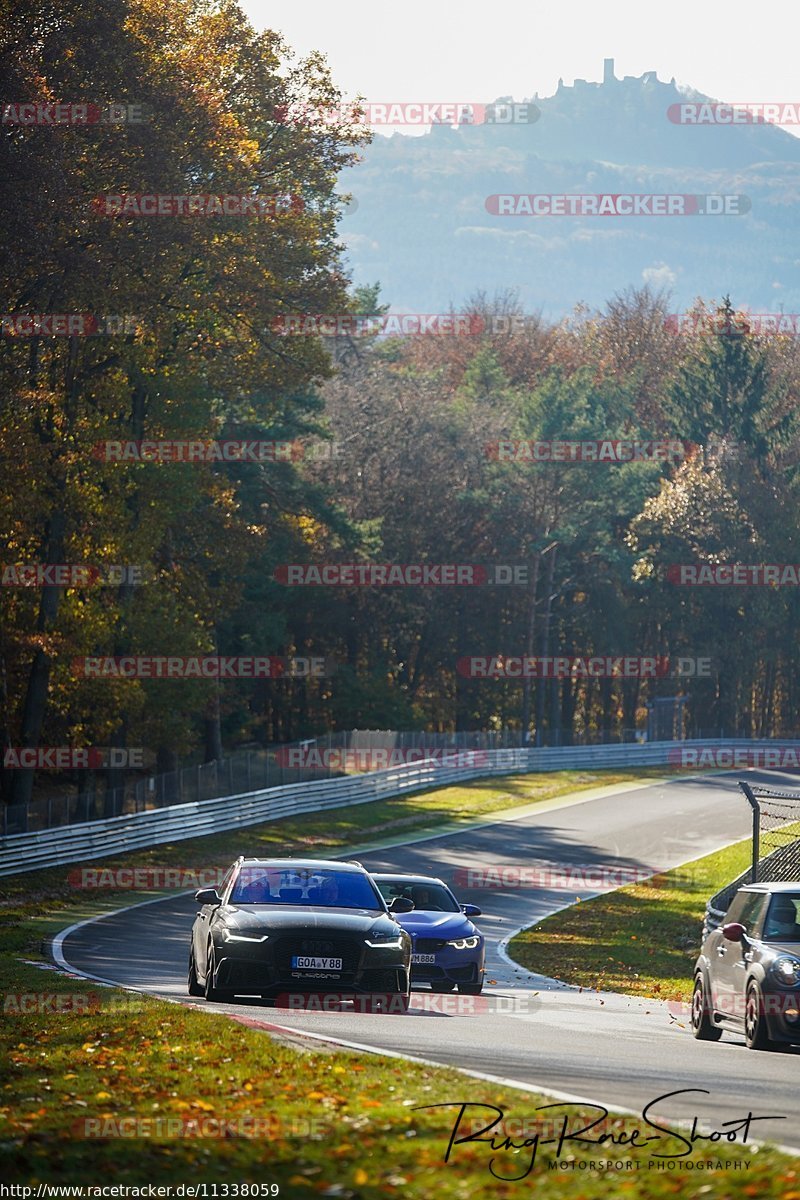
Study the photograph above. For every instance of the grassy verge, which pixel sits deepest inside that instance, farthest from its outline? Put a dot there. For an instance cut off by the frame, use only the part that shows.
(103, 1086)
(641, 940)
(125, 1089)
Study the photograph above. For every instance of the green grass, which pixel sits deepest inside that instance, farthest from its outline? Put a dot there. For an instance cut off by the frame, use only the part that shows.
(641, 940)
(317, 1122)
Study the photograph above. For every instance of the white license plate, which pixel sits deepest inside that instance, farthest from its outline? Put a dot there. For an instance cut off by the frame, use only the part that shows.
(423, 958)
(316, 964)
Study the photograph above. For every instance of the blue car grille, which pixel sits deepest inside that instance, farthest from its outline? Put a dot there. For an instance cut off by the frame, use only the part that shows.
(428, 945)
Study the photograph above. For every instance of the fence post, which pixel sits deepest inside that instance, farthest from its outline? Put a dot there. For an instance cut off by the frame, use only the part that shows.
(753, 802)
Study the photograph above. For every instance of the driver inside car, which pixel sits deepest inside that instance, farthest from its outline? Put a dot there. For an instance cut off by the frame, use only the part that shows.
(782, 919)
(423, 900)
(328, 891)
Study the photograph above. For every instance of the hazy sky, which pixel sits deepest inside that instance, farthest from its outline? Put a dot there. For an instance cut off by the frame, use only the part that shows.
(478, 49)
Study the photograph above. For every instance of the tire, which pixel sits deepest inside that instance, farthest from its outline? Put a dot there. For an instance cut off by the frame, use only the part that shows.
(755, 1024)
(442, 986)
(192, 985)
(702, 1026)
(471, 989)
(214, 994)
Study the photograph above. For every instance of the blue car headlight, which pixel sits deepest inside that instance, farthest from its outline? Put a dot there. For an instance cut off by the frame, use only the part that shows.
(786, 970)
(465, 943)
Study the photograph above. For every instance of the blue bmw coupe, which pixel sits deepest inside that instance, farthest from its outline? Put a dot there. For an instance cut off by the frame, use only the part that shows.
(447, 950)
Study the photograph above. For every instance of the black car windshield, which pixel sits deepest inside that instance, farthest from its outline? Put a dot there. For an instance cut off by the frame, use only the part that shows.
(427, 897)
(782, 922)
(324, 889)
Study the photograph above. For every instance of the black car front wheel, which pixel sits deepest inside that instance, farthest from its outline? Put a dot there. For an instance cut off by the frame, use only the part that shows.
(702, 1025)
(218, 995)
(192, 984)
(755, 1023)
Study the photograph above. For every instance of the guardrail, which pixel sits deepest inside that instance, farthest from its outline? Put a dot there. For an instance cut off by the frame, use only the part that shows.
(115, 835)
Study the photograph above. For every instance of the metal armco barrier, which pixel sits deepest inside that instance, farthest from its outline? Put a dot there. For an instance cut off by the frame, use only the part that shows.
(116, 835)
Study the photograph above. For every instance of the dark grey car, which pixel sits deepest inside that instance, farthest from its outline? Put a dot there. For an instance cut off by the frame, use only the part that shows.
(747, 977)
(295, 926)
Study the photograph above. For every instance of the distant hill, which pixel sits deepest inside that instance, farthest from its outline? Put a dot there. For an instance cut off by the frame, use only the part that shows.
(422, 229)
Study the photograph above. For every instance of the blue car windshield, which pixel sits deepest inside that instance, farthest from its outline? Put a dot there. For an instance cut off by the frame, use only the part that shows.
(427, 897)
(322, 889)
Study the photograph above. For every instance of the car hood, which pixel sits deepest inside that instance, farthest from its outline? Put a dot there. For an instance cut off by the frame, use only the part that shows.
(436, 924)
(778, 948)
(277, 917)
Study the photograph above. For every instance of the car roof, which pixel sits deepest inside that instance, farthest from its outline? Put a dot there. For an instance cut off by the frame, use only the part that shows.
(779, 886)
(304, 864)
(386, 875)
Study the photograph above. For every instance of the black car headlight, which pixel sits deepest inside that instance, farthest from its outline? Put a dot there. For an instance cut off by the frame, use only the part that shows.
(230, 936)
(465, 943)
(386, 941)
(786, 970)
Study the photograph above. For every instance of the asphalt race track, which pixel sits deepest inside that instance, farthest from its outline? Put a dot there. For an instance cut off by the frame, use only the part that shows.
(615, 1051)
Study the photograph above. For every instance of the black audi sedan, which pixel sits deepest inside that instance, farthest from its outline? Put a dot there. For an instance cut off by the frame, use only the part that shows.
(295, 926)
(747, 977)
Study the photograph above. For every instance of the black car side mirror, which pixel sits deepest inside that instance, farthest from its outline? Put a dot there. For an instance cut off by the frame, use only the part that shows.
(208, 896)
(401, 904)
(470, 910)
(733, 931)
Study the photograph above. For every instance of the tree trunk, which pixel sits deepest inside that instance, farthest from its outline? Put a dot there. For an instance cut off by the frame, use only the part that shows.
(525, 716)
(544, 686)
(35, 704)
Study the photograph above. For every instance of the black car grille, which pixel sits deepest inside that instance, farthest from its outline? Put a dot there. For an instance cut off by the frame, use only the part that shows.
(348, 950)
(428, 945)
(315, 946)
